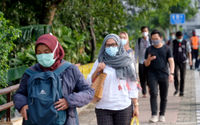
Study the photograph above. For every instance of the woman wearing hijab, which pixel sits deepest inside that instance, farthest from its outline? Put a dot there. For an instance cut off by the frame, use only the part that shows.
(120, 89)
(125, 42)
(75, 90)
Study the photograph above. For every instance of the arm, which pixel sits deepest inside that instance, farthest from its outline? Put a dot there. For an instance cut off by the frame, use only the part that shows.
(148, 58)
(89, 77)
(20, 97)
(171, 65)
(189, 50)
(83, 94)
(136, 51)
(133, 94)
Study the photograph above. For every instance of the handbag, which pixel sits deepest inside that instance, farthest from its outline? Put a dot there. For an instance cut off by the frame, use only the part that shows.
(136, 120)
(97, 85)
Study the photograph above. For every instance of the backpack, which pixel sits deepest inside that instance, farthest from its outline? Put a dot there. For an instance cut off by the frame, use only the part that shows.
(139, 41)
(44, 89)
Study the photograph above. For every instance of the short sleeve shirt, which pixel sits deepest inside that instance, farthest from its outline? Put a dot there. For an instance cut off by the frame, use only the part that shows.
(159, 66)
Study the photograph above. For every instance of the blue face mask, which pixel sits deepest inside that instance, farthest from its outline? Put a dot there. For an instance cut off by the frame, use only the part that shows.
(111, 51)
(46, 59)
(180, 40)
(124, 41)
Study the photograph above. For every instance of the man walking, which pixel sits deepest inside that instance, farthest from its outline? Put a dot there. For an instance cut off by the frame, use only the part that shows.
(195, 48)
(157, 58)
(141, 45)
(181, 48)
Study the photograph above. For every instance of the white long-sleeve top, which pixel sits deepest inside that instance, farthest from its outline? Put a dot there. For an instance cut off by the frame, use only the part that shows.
(114, 98)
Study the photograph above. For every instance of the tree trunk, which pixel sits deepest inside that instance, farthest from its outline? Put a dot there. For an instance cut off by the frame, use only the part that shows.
(49, 12)
(93, 40)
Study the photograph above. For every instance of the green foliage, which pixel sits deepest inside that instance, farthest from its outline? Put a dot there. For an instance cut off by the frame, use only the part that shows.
(24, 53)
(73, 44)
(101, 16)
(7, 35)
(156, 14)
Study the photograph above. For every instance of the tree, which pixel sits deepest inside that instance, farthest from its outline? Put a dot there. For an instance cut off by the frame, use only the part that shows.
(156, 13)
(7, 35)
(26, 12)
(93, 18)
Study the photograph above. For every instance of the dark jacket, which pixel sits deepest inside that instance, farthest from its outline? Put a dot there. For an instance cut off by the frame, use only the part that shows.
(75, 89)
(180, 51)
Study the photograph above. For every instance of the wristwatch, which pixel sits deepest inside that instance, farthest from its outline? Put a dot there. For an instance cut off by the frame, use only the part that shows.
(172, 74)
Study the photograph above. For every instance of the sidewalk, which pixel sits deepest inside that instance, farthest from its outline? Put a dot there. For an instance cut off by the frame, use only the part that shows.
(180, 110)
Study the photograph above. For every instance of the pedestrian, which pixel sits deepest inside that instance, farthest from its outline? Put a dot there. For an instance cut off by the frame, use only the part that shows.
(181, 48)
(120, 90)
(125, 42)
(171, 39)
(141, 45)
(157, 58)
(195, 43)
(52, 78)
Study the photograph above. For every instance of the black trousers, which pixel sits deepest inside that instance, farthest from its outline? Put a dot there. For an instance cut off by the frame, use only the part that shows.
(112, 117)
(182, 68)
(195, 56)
(143, 77)
(163, 84)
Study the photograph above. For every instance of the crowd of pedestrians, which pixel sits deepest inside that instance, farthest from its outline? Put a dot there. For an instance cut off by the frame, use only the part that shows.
(51, 90)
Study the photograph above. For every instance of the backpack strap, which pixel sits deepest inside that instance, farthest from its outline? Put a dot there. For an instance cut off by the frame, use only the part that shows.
(30, 71)
(139, 41)
(64, 65)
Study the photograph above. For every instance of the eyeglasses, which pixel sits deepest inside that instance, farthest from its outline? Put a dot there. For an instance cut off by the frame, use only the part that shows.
(113, 45)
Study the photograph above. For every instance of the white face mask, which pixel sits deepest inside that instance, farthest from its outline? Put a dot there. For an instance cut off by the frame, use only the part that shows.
(173, 37)
(145, 34)
(124, 41)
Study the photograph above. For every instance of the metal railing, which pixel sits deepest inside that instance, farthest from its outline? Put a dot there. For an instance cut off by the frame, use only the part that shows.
(9, 103)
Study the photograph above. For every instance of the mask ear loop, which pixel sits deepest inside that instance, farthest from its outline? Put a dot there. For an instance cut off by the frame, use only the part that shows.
(55, 49)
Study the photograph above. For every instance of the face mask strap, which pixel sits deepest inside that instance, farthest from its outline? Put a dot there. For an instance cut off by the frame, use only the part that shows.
(55, 47)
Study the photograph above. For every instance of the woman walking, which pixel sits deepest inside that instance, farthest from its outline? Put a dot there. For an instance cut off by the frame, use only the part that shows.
(120, 90)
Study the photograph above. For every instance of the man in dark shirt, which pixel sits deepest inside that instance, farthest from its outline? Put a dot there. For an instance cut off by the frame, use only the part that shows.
(157, 58)
(181, 48)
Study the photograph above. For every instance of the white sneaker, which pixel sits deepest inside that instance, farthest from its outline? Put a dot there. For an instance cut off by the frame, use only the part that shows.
(154, 119)
(162, 118)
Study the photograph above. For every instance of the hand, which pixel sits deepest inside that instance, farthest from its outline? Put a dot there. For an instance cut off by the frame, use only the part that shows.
(23, 112)
(61, 104)
(101, 66)
(150, 57)
(171, 78)
(136, 111)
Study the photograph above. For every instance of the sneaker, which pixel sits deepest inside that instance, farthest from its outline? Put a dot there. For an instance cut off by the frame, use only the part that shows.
(162, 118)
(175, 93)
(154, 119)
